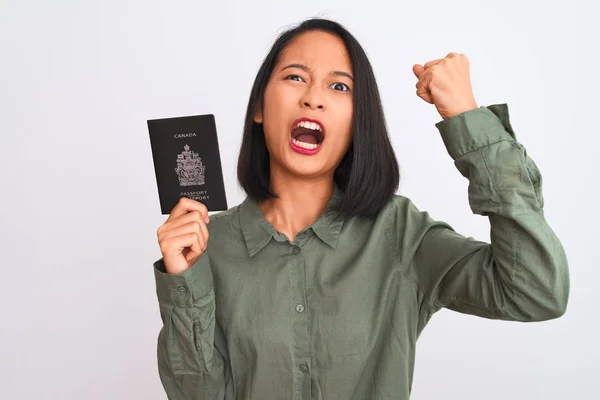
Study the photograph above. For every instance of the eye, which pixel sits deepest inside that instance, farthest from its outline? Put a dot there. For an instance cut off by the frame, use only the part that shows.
(343, 86)
(293, 76)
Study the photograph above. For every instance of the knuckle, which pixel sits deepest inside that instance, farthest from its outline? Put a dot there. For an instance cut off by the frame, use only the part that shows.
(163, 245)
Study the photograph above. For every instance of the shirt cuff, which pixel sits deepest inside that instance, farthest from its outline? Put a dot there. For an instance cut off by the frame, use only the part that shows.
(474, 129)
(182, 289)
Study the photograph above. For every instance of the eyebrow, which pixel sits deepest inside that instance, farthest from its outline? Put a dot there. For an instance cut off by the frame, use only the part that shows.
(306, 69)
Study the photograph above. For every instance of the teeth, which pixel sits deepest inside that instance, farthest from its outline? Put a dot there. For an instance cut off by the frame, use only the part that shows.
(309, 125)
(308, 146)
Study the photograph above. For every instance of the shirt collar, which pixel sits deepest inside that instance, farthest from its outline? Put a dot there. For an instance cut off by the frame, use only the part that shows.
(329, 225)
(258, 231)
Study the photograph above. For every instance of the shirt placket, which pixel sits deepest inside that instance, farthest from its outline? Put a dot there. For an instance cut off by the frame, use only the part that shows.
(299, 310)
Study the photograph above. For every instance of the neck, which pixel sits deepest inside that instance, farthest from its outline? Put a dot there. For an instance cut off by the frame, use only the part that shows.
(300, 202)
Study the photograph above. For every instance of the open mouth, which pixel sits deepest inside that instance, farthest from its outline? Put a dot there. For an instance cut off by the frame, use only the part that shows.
(307, 135)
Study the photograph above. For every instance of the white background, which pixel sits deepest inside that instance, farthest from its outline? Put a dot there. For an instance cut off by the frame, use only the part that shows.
(79, 205)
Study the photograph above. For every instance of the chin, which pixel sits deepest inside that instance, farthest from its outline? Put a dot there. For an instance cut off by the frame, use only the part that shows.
(307, 172)
(306, 169)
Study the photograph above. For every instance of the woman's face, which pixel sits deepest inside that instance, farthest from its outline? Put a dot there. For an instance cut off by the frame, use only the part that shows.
(311, 81)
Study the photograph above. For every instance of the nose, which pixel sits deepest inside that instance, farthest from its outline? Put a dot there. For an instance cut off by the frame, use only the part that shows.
(313, 99)
(307, 104)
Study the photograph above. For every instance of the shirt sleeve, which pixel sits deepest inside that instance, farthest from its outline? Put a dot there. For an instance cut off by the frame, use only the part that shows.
(190, 365)
(522, 275)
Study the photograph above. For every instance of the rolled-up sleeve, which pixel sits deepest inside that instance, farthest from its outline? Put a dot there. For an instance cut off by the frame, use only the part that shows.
(190, 365)
(522, 274)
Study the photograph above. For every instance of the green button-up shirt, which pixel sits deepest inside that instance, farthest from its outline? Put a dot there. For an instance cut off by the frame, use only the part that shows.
(336, 314)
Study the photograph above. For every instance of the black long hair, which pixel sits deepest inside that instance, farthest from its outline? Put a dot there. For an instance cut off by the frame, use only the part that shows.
(368, 174)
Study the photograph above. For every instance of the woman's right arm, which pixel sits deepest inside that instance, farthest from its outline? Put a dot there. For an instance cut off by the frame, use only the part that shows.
(190, 364)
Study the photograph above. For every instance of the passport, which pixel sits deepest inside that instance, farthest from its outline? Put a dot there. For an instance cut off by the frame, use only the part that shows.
(187, 161)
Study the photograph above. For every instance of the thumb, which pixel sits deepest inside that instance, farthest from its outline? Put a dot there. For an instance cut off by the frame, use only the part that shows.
(418, 70)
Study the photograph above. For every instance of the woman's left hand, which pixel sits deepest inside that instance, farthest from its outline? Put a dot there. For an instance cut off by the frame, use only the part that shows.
(446, 83)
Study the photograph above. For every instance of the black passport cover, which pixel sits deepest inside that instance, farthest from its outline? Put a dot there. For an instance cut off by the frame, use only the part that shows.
(187, 161)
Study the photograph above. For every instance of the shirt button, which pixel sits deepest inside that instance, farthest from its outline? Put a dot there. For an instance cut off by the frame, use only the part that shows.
(299, 308)
(304, 367)
(296, 251)
(182, 289)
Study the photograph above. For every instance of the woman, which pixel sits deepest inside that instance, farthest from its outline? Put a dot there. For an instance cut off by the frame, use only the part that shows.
(318, 285)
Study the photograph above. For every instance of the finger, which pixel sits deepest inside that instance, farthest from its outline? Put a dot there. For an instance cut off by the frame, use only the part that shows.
(422, 82)
(425, 95)
(177, 244)
(191, 255)
(418, 70)
(205, 235)
(432, 63)
(452, 54)
(190, 227)
(182, 220)
(196, 249)
(185, 205)
(423, 87)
